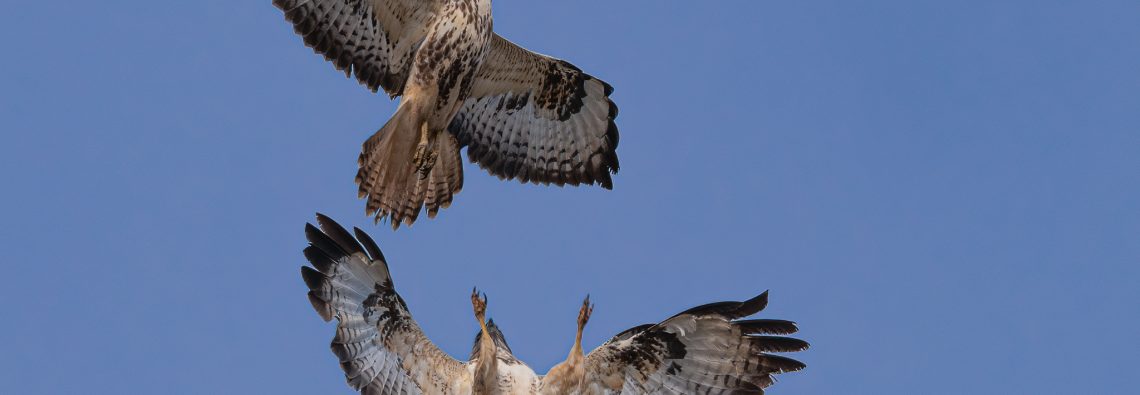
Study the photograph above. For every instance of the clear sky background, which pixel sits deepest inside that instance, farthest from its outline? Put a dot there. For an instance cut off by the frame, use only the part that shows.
(943, 194)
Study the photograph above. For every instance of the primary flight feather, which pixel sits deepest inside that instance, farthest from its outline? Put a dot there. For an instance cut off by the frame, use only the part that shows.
(520, 114)
(711, 349)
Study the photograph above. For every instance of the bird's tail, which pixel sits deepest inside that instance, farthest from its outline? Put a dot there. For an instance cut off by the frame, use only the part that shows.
(388, 177)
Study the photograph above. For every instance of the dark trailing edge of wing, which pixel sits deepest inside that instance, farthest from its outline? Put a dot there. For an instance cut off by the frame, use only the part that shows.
(593, 168)
(611, 159)
(354, 52)
(731, 310)
(756, 332)
(767, 327)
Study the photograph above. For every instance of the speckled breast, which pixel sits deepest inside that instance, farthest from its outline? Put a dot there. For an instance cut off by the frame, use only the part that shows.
(447, 60)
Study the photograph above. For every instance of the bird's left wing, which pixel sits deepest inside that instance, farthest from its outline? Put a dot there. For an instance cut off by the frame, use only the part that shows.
(373, 40)
(538, 119)
(705, 350)
(381, 348)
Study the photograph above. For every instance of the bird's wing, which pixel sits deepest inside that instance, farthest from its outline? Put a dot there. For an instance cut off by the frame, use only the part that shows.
(538, 119)
(381, 348)
(374, 40)
(706, 350)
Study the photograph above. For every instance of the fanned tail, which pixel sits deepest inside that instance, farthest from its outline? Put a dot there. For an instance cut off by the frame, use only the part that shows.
(388, 178)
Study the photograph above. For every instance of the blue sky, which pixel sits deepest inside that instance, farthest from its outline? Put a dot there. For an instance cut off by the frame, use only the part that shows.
(943, 194)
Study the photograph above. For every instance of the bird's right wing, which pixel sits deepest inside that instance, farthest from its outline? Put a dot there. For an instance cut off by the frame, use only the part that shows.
(374, 40)
(705, 350)
(538, 119)
(380, 347)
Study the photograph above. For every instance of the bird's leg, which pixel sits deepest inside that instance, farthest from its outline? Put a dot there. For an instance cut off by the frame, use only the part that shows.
(486, 374)
(583, 318)
(425, 156)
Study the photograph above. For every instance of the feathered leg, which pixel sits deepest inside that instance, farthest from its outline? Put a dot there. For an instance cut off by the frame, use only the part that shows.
(407, 166)
(425, 156)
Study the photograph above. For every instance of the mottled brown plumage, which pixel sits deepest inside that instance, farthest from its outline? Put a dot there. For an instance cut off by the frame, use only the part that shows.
(709, 349)
(521, 115)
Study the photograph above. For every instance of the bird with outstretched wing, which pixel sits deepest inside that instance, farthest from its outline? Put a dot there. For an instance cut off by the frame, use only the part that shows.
(520, 114)
(711, 349)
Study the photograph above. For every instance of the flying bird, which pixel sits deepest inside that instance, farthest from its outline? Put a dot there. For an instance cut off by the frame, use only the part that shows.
(521, 115)
(711, 349)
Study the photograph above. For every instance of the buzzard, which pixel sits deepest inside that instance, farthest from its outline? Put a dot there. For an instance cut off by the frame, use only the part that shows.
(709, 349)
(520, 114)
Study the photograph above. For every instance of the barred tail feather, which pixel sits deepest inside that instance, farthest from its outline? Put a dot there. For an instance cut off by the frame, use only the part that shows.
(446, 178)
(388, 178)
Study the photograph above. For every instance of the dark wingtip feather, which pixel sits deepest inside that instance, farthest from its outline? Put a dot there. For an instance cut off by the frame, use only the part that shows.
(614, 138)
(318, 259)
(779, 364)
(322, 307)
(338, 234)
(323, 242)
(776, 344)
(370, 245)
(767, 327)
(313, 279)
(606, 182)
(731, 310)
(711, 308)
(750, 306)
(613, 113)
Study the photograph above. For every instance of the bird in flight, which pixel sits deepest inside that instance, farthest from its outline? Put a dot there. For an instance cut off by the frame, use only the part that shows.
(521, 115)
(711, 349)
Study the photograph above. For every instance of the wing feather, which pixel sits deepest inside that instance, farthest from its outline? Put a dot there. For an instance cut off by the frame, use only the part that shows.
(538, 119)
(373, 40)
(379, 345)
(705, 350)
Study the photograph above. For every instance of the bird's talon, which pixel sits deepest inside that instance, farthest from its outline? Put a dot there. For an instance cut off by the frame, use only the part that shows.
(421, 155)
(424, 166)
(478, 304)
(585, 312)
